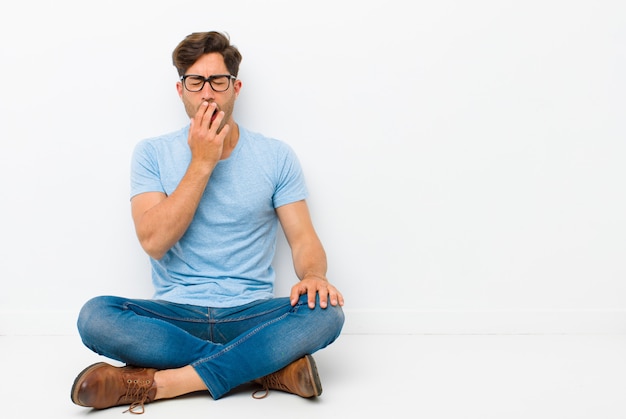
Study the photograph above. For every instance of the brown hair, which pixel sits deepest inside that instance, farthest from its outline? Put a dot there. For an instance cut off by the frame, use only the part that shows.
(197, 44)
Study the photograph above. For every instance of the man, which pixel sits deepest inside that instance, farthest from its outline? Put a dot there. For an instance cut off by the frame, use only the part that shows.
(206, 202)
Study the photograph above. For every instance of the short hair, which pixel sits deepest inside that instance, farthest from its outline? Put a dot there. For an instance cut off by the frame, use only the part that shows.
(197, 44)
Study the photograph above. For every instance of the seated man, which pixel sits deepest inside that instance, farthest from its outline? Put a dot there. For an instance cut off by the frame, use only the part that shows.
(206, 202)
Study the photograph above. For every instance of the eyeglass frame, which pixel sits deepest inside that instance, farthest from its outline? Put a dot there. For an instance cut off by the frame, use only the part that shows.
(207, 79)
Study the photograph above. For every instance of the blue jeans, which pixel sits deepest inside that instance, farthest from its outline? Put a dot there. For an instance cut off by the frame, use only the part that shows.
(226, 346)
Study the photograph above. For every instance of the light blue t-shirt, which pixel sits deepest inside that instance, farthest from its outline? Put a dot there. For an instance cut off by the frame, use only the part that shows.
(224, 258)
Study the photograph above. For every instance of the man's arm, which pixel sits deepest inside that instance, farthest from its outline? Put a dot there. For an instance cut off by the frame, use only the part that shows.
(161, 220)
(309, 257)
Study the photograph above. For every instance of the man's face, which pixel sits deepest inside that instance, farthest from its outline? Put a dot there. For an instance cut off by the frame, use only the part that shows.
(209, 65)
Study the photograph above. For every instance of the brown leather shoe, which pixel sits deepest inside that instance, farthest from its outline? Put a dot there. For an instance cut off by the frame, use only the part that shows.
(300, 377)
(102, 385)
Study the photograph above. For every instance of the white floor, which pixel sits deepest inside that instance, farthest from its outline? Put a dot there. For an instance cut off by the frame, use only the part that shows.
(389, 376)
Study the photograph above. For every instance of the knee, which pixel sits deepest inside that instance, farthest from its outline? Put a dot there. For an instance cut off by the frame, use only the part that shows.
(92, 315)
(338, 317)
(331, 320)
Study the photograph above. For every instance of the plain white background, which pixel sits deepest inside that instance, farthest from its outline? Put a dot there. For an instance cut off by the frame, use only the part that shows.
(465, 158)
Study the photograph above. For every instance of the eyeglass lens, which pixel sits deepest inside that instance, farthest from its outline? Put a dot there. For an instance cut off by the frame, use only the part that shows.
(195, 83)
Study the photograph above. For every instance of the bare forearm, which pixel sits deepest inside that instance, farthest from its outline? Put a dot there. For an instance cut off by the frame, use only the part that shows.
(162, 225)
(310, 260)
(311, 269)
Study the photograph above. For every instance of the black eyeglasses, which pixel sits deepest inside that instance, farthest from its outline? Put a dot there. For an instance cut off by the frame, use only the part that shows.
(218, 82)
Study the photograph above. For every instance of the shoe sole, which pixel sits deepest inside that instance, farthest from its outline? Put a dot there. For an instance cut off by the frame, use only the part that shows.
(317, 384)
(76, 385)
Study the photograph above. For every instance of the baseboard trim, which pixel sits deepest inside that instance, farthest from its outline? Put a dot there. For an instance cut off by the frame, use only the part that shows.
(442, 322)
(485, 322)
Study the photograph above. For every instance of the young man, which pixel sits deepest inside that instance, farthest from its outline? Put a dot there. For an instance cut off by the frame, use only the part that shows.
(206, 201)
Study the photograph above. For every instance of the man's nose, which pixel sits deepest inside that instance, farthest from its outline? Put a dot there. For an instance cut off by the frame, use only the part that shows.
(207, 91)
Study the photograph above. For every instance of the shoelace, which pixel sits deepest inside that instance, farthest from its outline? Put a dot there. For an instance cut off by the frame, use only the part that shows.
(137, 393)
(265, 389)
(269, 381)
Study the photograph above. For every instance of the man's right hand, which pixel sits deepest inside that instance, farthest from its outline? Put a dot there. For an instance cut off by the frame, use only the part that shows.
(205, 142)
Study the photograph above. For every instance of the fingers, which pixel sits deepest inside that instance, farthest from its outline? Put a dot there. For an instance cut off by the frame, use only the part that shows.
(205, 141)
(335, 297)
(199, 121)
(311, 294)
(327, 293)
(302, 288)
(295, 294)
(208, 114)
(323, 289)
(207, 119)
(339, 299)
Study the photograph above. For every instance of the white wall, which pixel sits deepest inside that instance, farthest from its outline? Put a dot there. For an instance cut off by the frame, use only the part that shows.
(465, 158)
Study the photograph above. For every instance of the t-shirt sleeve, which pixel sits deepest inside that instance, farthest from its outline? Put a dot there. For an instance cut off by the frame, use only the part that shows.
(144, 170)
(291, 186)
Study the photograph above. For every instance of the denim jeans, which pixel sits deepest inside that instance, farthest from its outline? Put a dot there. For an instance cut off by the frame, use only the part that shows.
(226, 346)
